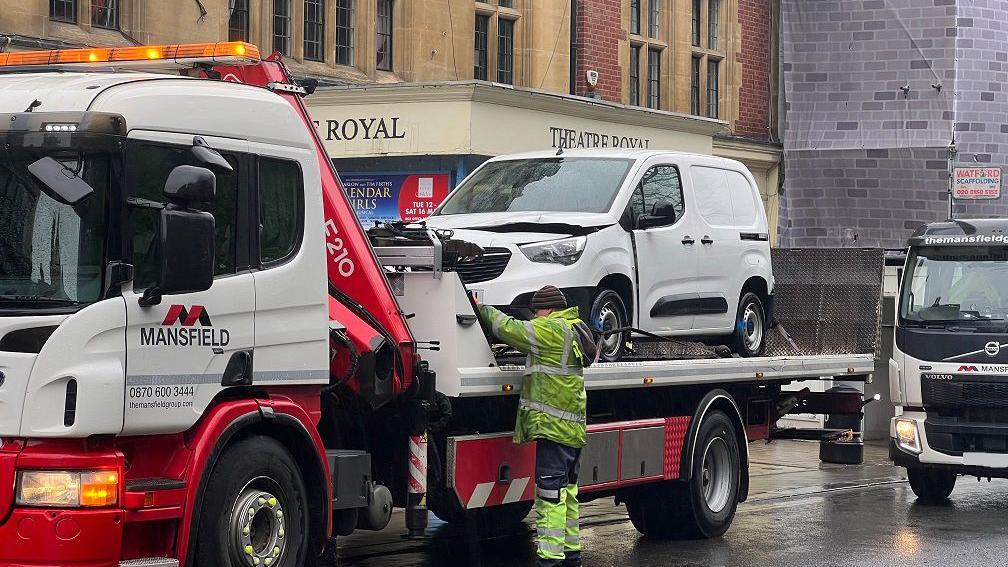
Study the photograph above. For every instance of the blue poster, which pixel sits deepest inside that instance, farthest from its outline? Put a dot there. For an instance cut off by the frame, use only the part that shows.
(386, 198)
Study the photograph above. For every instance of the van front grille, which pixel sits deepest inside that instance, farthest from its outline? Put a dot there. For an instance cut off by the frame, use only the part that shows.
(484, 268)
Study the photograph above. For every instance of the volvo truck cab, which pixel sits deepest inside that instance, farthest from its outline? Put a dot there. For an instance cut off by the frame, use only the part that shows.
(949, 371)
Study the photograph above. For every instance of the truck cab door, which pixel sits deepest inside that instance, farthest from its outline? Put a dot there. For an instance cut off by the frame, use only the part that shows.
(178, 349)
(665, 243)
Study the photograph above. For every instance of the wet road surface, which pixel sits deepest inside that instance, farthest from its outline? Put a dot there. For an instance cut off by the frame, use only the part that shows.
(800, 512)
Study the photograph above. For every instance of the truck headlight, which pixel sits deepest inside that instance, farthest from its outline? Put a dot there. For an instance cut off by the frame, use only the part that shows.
(565, 251)
(906, 435)
(67, 489)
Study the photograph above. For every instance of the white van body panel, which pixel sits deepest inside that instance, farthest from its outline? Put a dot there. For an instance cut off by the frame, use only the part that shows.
(684, 278)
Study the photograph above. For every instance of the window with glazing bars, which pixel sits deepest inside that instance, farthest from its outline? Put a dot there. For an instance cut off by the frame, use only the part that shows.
(105, 14)
(505, 51)
(506, 3)
(314, 30)
(654, 17)
(696, 23)
(480, 71)
(654, 78)
(634, 75)
(238, 23)
(695, 87)
(712, 88)
(345, 27)
(282, 26)
(713, 18)
(63, 10)
(384, 35)
(635, 16)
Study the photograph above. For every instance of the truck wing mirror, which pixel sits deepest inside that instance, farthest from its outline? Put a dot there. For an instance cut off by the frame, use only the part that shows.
(187, 183)
(59, 181)
(662, 214)
(209, 157)
(187, 254)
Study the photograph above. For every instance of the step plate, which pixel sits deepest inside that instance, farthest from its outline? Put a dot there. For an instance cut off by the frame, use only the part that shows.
(150, 562)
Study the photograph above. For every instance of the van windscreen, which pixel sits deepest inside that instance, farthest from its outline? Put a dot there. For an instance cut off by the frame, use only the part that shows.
(583, 185)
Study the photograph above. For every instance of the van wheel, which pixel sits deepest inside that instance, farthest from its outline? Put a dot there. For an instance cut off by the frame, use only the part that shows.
(932, 486)
(609, 312)
(704, 506)
(254, 511)
(749, 338)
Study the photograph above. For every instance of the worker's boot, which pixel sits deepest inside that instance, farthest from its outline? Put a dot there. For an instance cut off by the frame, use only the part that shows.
(572, 559)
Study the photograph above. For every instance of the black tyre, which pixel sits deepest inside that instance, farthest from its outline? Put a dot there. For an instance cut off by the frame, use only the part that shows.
(254, 509)
(703, 507)
(609, 312)
(490, 520)
(749, 338)
(932, 486)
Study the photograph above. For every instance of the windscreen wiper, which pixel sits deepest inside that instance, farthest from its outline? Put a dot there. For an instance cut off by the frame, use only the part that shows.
(36, 299)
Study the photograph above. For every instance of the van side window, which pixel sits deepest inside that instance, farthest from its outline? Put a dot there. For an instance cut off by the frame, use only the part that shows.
(281, 209)
(147, 168)
(712, 195)
(660, 183)
(743, 199)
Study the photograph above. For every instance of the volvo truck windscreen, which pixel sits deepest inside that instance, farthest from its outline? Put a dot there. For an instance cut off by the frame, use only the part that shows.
(956, 286)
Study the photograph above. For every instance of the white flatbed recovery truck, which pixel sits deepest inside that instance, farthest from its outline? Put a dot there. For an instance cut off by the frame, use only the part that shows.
(178, 388)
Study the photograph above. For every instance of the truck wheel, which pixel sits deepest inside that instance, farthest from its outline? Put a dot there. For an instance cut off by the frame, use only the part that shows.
(609, 312)
(704, 506)
(750, 326)
(932, 486)
(254, 510)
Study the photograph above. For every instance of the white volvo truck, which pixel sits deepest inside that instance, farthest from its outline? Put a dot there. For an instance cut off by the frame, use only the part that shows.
(949, 371)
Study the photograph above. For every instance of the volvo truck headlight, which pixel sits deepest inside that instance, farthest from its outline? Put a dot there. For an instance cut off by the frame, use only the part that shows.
(565, 251)
(907, 437)
(67, 489)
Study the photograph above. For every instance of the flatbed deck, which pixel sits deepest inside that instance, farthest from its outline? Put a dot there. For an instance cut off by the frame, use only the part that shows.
(506, 379)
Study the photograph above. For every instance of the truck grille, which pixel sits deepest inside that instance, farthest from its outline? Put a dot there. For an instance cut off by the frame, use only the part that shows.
(485, 268)
(962, 393)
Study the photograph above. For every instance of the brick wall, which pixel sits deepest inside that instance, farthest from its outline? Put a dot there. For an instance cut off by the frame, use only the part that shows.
(754, 56)
(599, 31)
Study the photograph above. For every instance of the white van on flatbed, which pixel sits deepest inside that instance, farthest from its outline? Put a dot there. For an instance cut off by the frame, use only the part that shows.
(671, 243)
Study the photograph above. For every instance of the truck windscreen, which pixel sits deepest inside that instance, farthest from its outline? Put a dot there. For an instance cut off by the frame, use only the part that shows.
(574, 185)
(965, 286)
(51, 252)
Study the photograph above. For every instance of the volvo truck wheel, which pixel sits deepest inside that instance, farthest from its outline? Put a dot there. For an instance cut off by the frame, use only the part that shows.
(609, 312)
(750, 326)
(704, 506)
(932, 486)
(254, 511)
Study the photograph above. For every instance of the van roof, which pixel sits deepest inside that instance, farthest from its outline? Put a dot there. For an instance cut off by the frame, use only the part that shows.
(633, 154)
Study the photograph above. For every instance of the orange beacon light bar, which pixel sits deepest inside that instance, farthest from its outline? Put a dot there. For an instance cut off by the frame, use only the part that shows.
(227, 52)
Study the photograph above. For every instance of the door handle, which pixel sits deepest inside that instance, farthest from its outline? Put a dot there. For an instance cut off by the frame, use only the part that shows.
(707, 240)
(688, 240)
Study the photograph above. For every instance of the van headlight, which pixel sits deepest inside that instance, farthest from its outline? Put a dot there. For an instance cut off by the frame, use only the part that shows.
(907, 436)
(67, 489)
(565, 251)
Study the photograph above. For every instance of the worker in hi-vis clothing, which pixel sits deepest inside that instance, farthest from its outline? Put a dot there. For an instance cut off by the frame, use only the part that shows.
(551, 411)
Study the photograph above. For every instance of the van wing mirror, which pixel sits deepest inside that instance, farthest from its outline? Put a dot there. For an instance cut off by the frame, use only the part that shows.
(663, 213)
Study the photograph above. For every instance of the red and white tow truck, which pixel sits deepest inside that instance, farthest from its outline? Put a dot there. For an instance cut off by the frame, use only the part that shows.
(204, 361)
